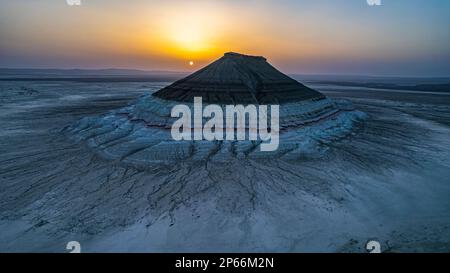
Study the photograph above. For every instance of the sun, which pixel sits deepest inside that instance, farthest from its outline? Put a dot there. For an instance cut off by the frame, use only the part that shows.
(188, 34)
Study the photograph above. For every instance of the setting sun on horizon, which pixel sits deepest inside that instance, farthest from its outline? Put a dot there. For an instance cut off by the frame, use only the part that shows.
(202, 128)
(297, 36)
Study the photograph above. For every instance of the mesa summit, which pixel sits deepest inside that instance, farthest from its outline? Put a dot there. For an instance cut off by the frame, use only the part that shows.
(239, 106)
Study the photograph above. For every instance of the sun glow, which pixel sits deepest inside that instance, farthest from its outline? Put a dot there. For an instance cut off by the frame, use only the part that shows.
(188, 34)
(190, 38)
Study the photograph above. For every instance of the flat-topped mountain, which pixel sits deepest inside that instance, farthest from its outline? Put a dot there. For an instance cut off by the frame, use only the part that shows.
(236, 79)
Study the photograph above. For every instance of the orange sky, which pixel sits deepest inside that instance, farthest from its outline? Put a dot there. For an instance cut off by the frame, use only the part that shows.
(297, 36)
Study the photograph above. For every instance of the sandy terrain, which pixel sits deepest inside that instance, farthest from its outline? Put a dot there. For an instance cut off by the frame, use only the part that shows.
(389, 181)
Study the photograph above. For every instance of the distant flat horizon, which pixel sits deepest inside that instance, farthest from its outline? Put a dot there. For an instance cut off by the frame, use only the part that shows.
(112, 71)
(399, 38)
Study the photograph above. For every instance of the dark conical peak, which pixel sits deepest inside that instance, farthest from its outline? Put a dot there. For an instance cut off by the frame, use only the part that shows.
(243, 56)
(238, 79)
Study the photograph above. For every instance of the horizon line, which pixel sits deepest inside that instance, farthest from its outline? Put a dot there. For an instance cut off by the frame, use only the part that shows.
(189, 72)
